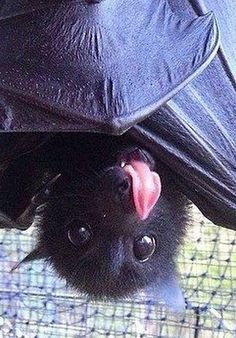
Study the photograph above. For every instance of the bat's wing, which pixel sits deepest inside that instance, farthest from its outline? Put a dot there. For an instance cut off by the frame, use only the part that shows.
(18, 203)
(73, 65)
(195, 132)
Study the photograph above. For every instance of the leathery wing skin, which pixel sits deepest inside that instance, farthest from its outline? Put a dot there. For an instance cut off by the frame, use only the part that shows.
(95, 66)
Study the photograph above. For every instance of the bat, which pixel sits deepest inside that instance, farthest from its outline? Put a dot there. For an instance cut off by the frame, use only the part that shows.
(109, 215)
(130, 66)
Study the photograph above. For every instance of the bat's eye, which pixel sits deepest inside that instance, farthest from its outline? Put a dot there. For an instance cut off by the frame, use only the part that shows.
(79, 235)
(144, 247)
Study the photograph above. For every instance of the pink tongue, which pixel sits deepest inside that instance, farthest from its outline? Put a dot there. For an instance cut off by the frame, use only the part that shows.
(146, 186)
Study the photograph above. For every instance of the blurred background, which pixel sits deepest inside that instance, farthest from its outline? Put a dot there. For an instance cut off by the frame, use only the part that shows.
(35, 303)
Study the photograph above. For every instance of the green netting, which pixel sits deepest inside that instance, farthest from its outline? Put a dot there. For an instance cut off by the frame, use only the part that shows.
(35, 303)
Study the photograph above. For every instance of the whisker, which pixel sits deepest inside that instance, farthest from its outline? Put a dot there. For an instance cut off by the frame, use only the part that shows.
(134, 279)
(61, 196)
(85, 182)
(77, 268)
(99, 176)
(83, 174)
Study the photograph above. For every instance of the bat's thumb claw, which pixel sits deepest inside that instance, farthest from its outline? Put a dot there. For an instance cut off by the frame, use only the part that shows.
(42, 195)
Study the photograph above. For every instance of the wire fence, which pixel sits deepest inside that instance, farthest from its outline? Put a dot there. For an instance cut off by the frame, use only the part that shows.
(35, 303)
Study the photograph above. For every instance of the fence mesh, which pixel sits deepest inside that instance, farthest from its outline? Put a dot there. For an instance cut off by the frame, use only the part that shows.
(35, 303)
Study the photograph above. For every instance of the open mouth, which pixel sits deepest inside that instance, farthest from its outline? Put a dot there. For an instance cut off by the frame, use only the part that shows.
(145, 183)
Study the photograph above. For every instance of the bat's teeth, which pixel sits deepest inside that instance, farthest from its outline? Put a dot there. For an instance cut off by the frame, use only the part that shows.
(122, 164)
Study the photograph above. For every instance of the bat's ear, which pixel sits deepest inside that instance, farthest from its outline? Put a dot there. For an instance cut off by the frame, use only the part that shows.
(36, 254)
(168, 293)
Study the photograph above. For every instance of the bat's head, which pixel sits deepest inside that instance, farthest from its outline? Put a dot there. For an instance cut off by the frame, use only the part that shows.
(113, 222)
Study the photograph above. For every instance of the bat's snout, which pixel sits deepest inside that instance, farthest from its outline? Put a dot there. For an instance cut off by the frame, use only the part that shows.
(118, 183)
(133, 182)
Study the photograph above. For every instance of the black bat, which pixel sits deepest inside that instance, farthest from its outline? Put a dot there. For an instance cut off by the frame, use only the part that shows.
(104, 66)
(109, 216)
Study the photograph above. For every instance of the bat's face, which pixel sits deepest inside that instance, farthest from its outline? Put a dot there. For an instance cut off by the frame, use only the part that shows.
(113, 222)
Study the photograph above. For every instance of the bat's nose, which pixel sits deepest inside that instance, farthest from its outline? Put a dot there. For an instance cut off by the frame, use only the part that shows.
(118, 183)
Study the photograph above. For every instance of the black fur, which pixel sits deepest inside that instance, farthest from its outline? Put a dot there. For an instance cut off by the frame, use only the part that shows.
(85, 195)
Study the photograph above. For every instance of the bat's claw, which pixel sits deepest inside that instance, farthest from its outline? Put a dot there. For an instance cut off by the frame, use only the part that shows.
(42, 196)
